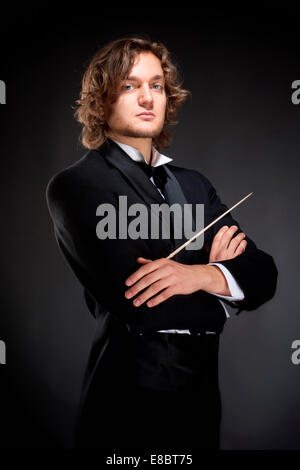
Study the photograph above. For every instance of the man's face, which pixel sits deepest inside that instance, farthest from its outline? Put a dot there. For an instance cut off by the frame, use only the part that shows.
(142, 92)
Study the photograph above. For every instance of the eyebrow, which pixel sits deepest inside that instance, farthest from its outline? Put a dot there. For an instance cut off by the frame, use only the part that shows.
(155, 77)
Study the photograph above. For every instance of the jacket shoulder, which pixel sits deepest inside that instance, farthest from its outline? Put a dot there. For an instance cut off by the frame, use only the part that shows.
(67, 180)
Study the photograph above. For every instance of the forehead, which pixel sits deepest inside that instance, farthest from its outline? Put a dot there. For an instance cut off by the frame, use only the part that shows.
(145, 65)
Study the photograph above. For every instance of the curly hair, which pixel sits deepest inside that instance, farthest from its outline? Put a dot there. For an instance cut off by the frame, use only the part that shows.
(107, 68)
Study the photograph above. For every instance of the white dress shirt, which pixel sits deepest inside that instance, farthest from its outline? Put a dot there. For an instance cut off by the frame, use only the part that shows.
(160, 159)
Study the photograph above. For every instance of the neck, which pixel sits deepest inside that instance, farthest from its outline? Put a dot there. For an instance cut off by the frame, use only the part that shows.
(144, 145)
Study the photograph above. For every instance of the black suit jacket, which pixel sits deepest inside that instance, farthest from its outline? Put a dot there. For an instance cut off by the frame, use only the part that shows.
(102, 266)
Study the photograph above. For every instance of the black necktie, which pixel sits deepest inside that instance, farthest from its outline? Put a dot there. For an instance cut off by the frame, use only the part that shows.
(157, 172)
(160, 177)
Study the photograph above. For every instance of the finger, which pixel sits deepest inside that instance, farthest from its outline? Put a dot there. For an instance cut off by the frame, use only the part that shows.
(241, 248)
(234, 243)
(218, 237)
(143, 260)
(146, 281)
(164, 295)
(221, 232)
(227, 236)
(151, 291)
(216, 241)
(145, 269)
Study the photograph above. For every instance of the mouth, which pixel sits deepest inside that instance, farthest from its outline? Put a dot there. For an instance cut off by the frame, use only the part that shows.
(146, 115)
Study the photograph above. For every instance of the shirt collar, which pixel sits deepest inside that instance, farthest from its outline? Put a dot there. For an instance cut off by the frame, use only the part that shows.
(157, 158)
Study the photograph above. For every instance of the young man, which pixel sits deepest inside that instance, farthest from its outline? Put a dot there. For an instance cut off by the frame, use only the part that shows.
(152, 377)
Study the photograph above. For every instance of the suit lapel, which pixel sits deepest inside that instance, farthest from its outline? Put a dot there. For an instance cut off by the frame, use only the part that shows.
(175, 195)
(141, 183)
(131, 171)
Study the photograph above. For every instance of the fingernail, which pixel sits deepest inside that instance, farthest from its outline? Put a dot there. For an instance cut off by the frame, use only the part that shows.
(136, 302)
(128, 282)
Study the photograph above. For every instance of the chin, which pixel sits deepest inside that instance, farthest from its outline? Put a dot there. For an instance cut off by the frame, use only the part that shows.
(147, 131)
(141, 133)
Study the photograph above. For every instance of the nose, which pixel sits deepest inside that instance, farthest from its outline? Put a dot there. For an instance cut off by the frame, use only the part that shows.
(145, 97)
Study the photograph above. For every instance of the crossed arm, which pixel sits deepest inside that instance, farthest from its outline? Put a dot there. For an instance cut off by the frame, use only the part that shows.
(164, 278)
(103, 270)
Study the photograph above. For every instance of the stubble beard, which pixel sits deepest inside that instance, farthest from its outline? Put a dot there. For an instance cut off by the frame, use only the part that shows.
(140, 133)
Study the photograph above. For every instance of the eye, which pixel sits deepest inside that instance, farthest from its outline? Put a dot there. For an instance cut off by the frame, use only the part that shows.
(158, 85)
(127, 87)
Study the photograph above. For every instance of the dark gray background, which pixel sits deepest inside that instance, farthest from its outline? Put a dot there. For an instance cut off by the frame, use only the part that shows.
(239, 128)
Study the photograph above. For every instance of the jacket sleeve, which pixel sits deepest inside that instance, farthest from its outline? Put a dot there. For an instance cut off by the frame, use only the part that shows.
(254, 270)
(102, 266)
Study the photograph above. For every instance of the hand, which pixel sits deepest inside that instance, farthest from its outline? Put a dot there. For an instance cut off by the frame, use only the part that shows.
(164, 275)
(224, 246)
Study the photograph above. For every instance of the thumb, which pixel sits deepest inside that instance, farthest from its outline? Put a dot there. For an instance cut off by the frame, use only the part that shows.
(142, 260)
